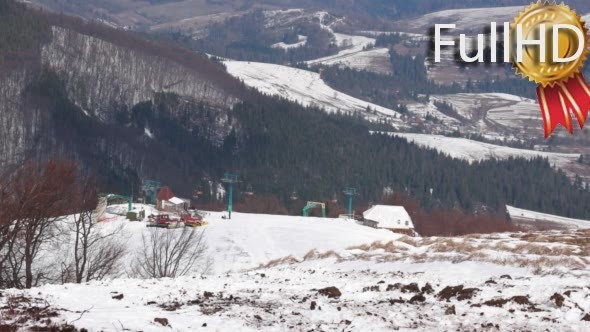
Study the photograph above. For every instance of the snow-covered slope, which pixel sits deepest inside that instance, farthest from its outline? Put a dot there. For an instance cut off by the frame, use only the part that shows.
(375, 60)
(302, 86)
(516, 213)
(355, 51)
(248, 240)
(462, 148)
(498, 282)
(488, 110)
(465, 19)
(350, 44)
(302, 40)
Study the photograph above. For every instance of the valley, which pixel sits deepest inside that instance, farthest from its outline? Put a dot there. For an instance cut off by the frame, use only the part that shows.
(280, 165)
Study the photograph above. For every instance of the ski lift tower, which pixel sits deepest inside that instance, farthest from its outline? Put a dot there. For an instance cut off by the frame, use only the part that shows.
(151, 188)
(230, 179)
(350, 192)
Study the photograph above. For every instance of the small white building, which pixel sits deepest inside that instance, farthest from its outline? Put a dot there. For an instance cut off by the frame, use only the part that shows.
(393, 218)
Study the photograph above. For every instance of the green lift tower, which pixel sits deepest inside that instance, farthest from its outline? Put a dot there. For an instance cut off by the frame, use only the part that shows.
(230, 179)
(312, 205)
(151, 188)
(350, 192)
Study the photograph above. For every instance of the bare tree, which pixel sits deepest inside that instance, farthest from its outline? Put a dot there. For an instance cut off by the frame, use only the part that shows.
(35, 201)
(171, 253)
(6, 228)
(96, 252)
(37, 196)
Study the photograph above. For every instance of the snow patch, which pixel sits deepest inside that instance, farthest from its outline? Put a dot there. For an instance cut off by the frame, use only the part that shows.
(148, 132)
(538, 216)
(302, 41)
(469, 150)
(351, 45)
(302, 86)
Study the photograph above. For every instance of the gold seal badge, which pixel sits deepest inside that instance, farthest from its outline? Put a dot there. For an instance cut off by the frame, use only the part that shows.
(548, 73)
(549, 45)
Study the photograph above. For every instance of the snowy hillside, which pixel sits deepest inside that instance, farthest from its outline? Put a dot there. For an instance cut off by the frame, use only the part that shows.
(355, 51)
(496, 282)
(302, 40)
(350, 45)
(487, 111)
(465, 19)
(248, 240)
(462, 148)
(302, 86)
(532, 216)
(375, 60)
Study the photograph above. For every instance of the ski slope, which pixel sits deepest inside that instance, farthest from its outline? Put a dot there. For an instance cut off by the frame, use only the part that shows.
(248, 240)
(469, 150)
(516, 213)
(302, 86)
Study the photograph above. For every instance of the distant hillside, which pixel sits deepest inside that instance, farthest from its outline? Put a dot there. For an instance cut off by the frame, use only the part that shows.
(130, 109)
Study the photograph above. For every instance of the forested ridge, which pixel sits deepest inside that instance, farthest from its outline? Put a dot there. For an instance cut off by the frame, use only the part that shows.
(248, 38)
(289, 148)
(410, 79)
(279, 147)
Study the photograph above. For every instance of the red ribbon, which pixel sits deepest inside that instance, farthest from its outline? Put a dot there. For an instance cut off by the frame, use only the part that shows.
(559, 100)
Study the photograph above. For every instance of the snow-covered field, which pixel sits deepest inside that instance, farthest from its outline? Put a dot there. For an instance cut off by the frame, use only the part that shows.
(301, 86)
(423, 110)
(351, 45)
(249, 240)
(465, 19)
(469, 150)
(375, 60)
(491, 111)
(496, 104)
(533, 216)
(498, 282)
(302, 40)
(355, 53)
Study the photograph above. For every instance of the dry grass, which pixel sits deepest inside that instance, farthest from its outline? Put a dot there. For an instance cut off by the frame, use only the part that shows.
(314, 255)
(279, 261)
(544, 252)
